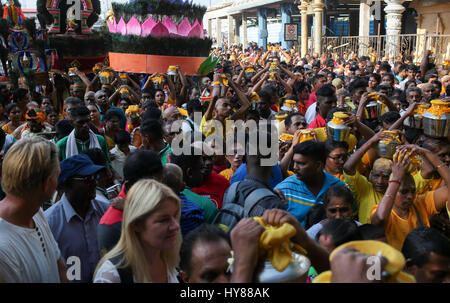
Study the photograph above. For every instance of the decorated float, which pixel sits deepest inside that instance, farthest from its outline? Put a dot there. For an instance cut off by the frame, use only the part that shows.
(21, 63)
(149, 36)
(71, 42)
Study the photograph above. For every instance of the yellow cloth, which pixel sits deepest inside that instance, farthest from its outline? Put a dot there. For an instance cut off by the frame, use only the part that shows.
(365, 195)
(321, 134)
(276, 241)
(7, 129)
(397, 228)
(110, 142)
(214, 126)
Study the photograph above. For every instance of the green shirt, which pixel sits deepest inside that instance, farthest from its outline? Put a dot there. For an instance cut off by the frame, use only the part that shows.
(82, 146)
(208, 206)
(163, 153)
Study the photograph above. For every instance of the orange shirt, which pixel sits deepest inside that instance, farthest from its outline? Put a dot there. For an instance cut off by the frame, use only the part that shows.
(397, 228)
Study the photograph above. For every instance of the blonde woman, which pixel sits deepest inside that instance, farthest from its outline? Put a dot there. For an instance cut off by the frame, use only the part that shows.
(148, 249)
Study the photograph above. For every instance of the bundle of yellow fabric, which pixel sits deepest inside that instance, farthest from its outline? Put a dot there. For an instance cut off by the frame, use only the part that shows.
(275, 240)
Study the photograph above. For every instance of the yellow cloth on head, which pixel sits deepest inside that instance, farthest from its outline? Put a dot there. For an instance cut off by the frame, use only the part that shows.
(276, 241)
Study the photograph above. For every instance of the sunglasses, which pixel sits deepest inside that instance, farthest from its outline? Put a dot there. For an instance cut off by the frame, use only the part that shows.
(90, 178)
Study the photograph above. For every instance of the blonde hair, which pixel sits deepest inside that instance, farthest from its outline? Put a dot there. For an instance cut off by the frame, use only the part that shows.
(144, 197)
(26, 165)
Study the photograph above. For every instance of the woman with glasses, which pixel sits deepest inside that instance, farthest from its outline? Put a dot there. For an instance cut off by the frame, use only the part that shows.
(401, 210)
(337, 155)
(338, 203)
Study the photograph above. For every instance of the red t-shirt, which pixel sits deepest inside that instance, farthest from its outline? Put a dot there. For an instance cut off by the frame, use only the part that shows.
(214, 188)
(312, 98)
(318, 122)
(113, 215)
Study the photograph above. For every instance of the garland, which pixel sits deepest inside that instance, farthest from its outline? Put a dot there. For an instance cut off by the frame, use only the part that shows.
(142, 9)
(164, 46)
(94, 45)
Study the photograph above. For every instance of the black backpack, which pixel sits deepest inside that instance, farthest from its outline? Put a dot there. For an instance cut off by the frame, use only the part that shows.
(233, 211)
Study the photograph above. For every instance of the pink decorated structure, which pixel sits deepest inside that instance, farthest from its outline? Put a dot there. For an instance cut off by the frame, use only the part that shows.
(166, 28)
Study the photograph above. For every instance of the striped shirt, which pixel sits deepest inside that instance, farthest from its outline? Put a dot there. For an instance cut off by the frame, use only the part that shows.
(300, 198)
(192, 215)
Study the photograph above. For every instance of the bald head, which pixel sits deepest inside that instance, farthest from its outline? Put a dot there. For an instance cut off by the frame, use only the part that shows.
(173, 177)
(172, 113)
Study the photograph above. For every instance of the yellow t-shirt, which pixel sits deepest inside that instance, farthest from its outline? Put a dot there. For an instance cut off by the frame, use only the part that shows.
(322, 136)
(227, 173)
(365, 195)
(364, 166)
(422, 185)
(397, 228)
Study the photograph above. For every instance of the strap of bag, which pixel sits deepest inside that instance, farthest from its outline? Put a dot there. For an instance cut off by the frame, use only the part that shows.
(419, 219)
(254, 198)
(230, 194)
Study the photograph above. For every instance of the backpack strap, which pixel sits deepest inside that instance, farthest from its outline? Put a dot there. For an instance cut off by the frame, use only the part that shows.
(254, 197)
(230, 194)
(125, 273)
(419, 219)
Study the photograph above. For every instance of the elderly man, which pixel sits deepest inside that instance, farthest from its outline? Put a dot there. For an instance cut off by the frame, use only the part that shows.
(35, 124)
(172, 113)
(74, 219)
(28, 251)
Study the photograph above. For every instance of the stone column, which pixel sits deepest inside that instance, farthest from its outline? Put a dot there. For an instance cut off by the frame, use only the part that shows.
(262, 28)
(286, 12)
(219, 32)
(318, 9)
(364, 27)
(303, 7)
(237, 38)
(230, 30)
(244, 31)
(210, 28)
(394, 10)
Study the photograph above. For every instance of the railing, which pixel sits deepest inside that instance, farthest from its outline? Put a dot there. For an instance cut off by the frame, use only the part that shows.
(409, 45)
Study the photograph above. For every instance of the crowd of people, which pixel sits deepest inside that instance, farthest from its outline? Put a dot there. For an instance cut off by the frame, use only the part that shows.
(95, 188)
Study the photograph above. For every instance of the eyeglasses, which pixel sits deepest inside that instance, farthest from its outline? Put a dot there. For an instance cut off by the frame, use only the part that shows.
(339, 157)
(341, 210)
(90, 178)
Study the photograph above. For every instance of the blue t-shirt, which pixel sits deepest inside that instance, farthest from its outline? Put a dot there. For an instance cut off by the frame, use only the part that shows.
(275, 177)
(300, 198)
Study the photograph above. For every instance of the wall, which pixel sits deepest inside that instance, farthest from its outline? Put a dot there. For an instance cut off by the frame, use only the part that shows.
(429, 13)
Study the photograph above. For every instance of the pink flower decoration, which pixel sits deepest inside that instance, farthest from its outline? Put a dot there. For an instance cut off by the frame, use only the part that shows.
(147, 27)
(112, 26)
(159, 30)
(196, 31)
(170, 25)
(134, 27)
(184, 27)
(121, 27)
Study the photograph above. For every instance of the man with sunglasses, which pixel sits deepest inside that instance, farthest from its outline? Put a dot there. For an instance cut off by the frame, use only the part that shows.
(74, 218)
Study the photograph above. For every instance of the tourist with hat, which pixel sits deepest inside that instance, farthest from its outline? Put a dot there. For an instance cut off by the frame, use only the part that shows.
(73, 220)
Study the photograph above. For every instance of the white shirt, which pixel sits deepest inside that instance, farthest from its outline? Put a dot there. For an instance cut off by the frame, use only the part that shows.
(311, 113)
(119, 160)
(22, 259)
(107, 273)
